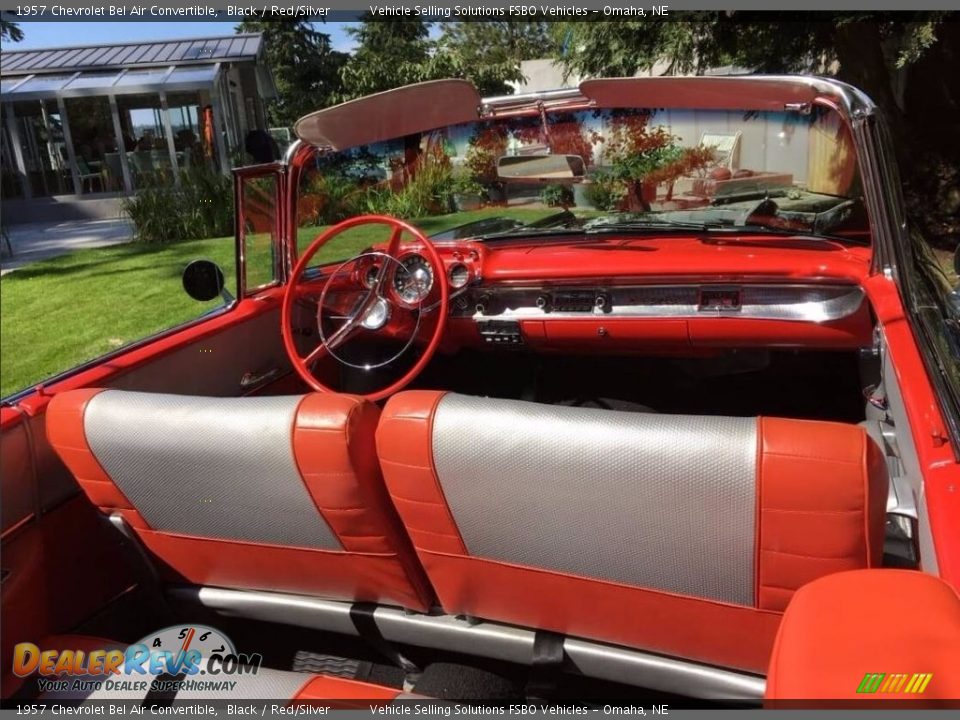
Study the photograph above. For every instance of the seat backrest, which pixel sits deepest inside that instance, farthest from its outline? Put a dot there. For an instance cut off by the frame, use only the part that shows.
(265, 493)
(684, 535)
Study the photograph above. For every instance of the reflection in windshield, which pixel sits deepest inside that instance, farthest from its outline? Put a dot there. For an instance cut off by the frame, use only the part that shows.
(784, 171)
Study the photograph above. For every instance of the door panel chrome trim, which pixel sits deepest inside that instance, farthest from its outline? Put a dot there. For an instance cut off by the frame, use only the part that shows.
(483, 639)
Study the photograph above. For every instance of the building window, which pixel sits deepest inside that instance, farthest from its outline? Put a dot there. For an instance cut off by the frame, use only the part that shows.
(145, 139)
(192, 137)
(94, 144)
(40, 130)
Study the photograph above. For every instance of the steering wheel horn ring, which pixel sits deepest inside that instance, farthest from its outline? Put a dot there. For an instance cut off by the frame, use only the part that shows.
(374, 311)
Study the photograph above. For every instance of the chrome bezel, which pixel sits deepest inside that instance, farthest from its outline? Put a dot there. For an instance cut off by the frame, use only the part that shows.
(417, 301)
(457, 267)
(370, 275)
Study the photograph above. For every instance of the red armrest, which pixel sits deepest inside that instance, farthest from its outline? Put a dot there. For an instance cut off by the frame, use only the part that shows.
(869, 635)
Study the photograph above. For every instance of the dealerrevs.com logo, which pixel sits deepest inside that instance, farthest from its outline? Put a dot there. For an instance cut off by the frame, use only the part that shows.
(194, 657)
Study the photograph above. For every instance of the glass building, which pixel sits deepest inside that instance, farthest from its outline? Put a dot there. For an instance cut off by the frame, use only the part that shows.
(100, 121)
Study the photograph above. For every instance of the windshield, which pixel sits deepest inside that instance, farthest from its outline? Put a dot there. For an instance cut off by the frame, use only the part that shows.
(596, 171)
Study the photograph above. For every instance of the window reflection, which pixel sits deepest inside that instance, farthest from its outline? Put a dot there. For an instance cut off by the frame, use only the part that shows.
(91, 129)
(40, 130)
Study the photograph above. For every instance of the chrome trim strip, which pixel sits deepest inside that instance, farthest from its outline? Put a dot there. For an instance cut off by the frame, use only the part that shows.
(665, 674)
(798, 303)
(483, 639)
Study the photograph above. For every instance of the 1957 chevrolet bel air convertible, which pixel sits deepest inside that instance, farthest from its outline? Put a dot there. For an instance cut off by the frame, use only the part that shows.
(645, 388)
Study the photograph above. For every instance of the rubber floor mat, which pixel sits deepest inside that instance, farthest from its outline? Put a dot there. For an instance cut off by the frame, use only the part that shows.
(319, 663)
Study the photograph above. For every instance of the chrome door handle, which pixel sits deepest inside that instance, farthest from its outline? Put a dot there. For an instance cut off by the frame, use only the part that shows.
(251, 380)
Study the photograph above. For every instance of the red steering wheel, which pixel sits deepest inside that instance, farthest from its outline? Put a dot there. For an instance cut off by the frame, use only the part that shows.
(375, 308)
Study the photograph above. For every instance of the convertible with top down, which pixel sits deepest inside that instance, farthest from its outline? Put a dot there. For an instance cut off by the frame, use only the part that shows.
(642, 389)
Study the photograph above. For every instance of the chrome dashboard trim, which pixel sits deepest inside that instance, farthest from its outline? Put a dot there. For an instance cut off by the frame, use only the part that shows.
(796, 303)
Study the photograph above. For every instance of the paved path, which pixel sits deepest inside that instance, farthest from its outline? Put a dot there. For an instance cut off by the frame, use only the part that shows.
(39, 241)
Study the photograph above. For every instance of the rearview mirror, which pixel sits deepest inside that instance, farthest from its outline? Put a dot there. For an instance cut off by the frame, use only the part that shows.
(203, 280)
(540, 168)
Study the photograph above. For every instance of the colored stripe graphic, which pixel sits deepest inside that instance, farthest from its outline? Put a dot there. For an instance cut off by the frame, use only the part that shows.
(892, 683)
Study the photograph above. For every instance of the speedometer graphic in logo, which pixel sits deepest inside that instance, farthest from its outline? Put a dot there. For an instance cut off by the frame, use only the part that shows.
(183, 638)
(190, 649)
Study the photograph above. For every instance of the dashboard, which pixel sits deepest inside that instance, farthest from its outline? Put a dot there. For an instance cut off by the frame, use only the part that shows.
(599, 300)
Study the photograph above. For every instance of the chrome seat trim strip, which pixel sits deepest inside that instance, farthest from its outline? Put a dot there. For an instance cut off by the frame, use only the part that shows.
(483, 639)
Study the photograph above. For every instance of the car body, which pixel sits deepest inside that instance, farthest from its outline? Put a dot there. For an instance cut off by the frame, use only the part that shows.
(629, 437)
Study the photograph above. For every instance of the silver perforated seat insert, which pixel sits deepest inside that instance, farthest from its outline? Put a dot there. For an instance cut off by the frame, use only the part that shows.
(664, 502)
(208, 467)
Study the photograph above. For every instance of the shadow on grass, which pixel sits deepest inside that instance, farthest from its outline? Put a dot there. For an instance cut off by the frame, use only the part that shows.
(66, 265)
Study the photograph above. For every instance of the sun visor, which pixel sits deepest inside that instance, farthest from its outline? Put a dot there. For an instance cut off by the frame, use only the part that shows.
(702, 93)
(394, 113)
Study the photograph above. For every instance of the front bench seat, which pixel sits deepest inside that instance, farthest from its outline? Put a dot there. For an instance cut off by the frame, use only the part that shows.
(677, 534)
(263, 493)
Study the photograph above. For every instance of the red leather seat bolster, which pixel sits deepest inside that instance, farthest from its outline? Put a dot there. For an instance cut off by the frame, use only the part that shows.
(836, 630)
(404, 445)
(65, 432)
(332, 440)
(335, 448)
(821, 494)
(328, 687)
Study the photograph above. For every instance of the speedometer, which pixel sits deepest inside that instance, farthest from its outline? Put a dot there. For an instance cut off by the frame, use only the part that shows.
(413, 280)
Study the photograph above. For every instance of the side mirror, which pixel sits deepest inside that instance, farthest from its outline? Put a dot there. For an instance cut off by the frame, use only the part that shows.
(540, 168)
(203, 280)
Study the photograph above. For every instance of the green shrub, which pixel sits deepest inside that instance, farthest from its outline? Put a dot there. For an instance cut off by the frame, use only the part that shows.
(429, 192)
(606, 192)
(338, 198)
(464, 184)
(201, 207)
(557, 196)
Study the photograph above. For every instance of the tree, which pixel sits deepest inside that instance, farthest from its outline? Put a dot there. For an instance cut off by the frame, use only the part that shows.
(389, 53)
(306, 68)
(10, 31)
(867, 49)
(496, 42)
(392, 53)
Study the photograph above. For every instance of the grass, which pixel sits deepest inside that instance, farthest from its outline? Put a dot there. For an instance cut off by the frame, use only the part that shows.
(58, 313)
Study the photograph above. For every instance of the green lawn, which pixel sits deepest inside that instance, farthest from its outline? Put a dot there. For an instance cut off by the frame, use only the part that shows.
(58, 313)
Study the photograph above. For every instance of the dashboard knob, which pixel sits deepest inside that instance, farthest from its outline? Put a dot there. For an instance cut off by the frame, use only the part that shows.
(602, 302)
(543, 302)
(483, 303)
